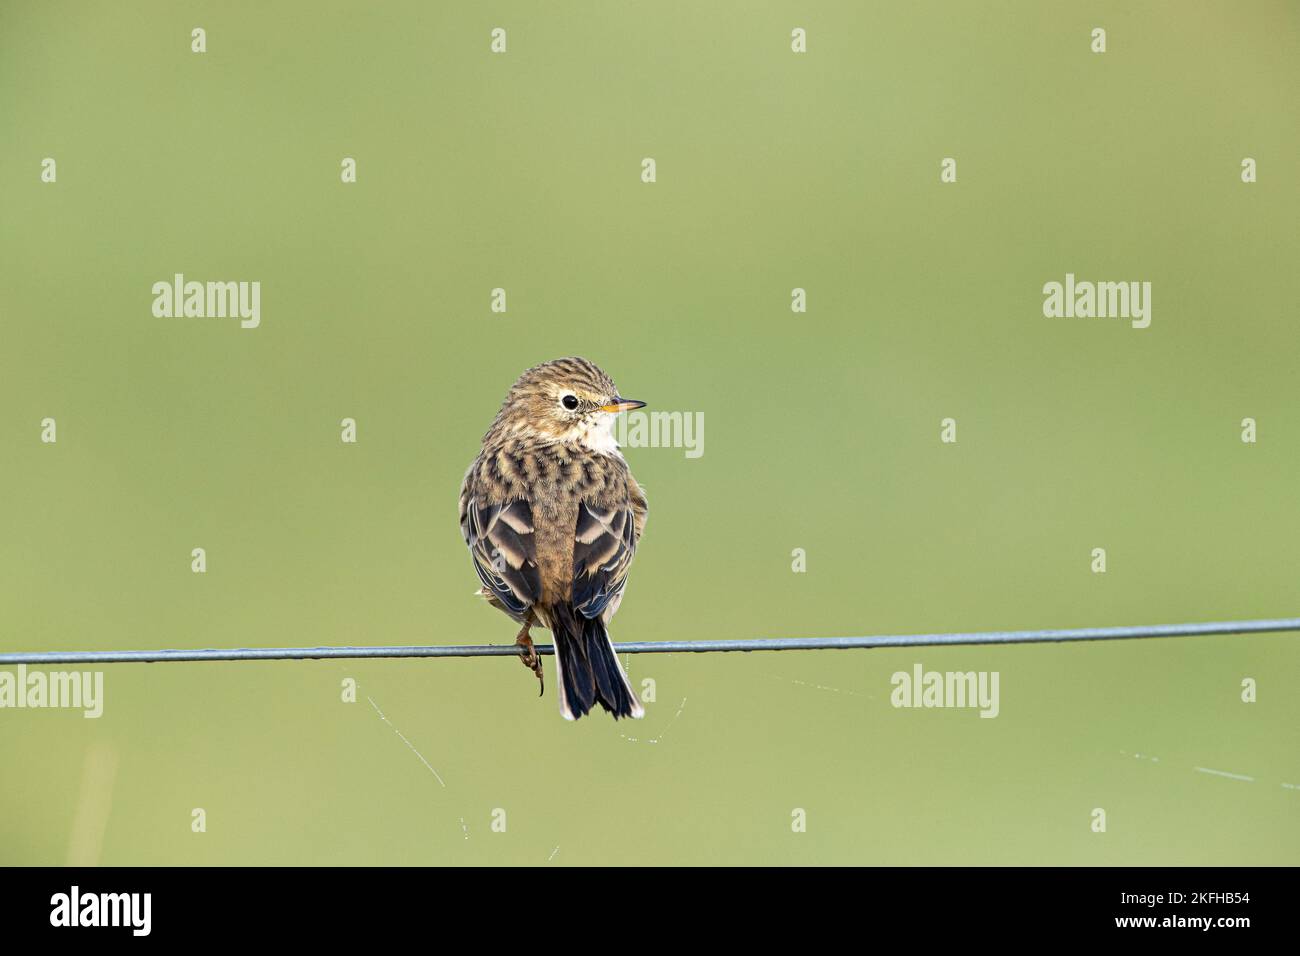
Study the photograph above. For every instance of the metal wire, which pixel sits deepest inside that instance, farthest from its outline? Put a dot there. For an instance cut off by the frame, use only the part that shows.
(663, 647)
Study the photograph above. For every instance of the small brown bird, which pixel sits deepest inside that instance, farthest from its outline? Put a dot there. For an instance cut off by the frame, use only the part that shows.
(552, 517)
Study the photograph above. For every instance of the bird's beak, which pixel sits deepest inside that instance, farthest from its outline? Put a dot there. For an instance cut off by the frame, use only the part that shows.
(622, 405)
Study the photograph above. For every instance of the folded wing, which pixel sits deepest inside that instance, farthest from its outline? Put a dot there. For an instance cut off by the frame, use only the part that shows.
(604, 544)
(501, 541)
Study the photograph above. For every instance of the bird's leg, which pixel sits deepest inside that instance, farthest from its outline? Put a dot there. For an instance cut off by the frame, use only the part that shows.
(528, 654)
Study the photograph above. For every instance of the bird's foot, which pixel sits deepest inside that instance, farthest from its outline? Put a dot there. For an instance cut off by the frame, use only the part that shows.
(530, 658)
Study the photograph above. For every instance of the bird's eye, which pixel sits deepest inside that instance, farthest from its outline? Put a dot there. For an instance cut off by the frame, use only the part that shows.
(570, 402)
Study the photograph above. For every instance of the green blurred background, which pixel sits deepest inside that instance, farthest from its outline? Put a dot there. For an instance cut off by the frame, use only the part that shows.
(775, 170)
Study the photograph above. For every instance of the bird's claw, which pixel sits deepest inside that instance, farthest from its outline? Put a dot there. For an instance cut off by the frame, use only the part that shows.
(529, 657)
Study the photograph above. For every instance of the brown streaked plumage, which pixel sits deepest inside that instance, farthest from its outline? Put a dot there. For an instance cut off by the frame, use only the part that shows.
(552, 516)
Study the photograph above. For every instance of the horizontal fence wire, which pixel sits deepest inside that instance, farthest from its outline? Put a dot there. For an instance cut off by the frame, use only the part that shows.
(661, 647)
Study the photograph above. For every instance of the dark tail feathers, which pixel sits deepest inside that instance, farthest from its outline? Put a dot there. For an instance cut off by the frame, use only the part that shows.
(589, 670)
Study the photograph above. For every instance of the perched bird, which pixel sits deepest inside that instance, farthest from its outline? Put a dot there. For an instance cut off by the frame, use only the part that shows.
(552, 517)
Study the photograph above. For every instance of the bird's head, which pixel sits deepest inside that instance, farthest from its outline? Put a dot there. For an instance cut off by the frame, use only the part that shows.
(565, 400)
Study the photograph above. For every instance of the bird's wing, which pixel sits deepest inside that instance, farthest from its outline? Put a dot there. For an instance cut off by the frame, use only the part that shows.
(604, 542)
(501, 541)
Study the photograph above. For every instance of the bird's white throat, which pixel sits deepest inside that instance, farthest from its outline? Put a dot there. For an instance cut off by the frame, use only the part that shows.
(598, 435)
